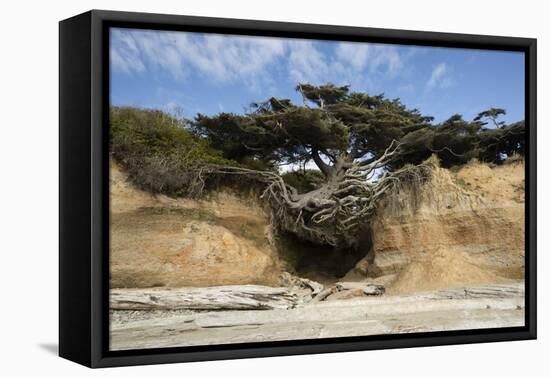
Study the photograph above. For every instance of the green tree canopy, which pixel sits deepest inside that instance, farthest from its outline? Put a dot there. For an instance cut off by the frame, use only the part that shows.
(333, 124)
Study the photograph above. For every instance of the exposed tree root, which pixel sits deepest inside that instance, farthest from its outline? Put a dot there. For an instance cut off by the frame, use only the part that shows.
(332, 213)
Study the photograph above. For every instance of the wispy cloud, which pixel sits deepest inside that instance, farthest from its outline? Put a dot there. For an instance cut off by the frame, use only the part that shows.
(306, 63)
(379, 58)
(405, 88)
(251, 60)
(125, 55)
(355, 54)
(215, 57)
(388, 59)
(440, 77)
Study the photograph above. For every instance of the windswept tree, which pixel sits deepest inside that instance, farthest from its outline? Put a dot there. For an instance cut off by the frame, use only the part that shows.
(352, 138)
(500, 140)
(345, 149)
(457, 141)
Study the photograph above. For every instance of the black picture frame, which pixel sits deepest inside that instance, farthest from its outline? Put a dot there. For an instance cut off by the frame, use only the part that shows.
(84, 196)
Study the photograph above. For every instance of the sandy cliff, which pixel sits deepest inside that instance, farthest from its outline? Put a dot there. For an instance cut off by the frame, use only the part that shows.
(459, 228)
(161, 241)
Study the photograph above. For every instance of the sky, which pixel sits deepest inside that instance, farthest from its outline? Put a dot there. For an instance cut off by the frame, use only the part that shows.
(188, 73)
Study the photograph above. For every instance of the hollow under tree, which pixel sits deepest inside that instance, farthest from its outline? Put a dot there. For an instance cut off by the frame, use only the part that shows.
(352, 138)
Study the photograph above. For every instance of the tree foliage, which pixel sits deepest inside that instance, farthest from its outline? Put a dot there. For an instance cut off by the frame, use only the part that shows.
(333, 122)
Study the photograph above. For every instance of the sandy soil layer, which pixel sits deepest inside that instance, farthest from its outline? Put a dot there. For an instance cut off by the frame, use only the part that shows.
(462, 227)
(161, 241)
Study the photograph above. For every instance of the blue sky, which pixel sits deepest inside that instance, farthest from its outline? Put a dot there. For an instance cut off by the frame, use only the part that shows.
(190, 73)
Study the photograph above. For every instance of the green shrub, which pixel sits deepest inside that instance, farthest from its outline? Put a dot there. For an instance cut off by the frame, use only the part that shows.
(159, 153)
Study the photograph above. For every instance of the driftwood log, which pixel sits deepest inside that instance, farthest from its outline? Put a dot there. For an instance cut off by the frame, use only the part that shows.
(232, 297)
(367, 315)
(310, 291)
(235, 297)
(366, 287)
(295, 282)
(483, 291)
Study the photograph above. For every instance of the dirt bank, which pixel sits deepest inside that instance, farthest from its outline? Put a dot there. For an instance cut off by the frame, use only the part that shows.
(161, 241)
(463, 227)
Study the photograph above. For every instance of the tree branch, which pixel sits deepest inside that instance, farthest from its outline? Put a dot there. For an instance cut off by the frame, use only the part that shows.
(324, 167)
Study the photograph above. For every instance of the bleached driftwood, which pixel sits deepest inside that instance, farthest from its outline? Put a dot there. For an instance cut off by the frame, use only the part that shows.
(484, 291)
(294, 282)
(304, 288)
(368, 288)
(366, 315)
(324, 294)
(234, 297)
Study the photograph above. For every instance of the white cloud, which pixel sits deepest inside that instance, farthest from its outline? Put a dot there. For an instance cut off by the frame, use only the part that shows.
(250, 60)
(306, 63)
(125, 55)
(373, 57)
(350, 62)
(133, 51)
(440, 77)
(215, 57)
(356, 54)
(388, 59)
(229, 59)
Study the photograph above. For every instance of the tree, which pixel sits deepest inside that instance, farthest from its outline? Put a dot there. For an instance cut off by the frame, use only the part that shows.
(492, 115)
(500, 141)
(362, 146)
(352, 138)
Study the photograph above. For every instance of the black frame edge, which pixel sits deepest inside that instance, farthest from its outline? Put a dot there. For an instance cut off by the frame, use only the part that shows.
(531, 181)
(75, 334)
(305, 30)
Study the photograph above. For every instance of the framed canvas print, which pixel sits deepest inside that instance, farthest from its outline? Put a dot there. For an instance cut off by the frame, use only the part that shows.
(233, 188)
